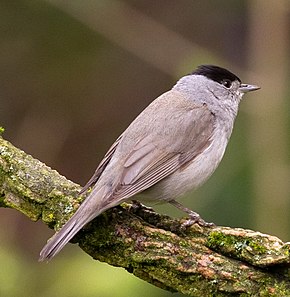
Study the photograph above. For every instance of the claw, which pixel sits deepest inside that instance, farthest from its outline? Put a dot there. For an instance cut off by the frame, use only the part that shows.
(196, 219)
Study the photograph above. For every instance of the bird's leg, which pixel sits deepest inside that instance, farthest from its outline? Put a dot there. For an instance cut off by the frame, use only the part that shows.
(193, 216)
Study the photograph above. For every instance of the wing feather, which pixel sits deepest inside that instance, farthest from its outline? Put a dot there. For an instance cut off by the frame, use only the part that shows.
(166, 144)
(102, 166)
(148, 164)
(147, 180)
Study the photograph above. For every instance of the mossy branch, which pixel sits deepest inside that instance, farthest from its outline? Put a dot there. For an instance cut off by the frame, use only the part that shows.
(217, 261)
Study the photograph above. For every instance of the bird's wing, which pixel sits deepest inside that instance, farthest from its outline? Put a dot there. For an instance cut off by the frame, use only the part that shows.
(101, 166)
(181, 138)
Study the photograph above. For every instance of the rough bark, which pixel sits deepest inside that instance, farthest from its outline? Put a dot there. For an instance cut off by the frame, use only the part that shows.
(198, 261)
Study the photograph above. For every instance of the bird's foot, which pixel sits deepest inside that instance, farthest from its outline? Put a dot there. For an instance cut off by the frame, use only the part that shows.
(195, 218)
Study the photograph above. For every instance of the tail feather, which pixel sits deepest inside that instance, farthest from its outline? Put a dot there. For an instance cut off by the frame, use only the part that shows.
(65, 234)
(88, 210)
(94, 205)
(57, 242)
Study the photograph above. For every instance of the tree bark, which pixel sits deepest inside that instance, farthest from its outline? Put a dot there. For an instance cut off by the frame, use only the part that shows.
(198, 261)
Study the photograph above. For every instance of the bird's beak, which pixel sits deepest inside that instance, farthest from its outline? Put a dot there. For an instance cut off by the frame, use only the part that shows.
(245, 88)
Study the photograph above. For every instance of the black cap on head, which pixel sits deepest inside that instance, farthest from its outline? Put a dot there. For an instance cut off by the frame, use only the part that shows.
(215, 73)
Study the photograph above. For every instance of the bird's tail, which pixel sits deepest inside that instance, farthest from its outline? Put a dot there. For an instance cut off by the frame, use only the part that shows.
(87, 211)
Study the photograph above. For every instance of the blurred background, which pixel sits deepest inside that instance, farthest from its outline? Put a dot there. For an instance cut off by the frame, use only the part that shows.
(74, 74)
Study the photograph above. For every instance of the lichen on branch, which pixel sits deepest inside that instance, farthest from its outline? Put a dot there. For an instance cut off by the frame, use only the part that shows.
(198, 261)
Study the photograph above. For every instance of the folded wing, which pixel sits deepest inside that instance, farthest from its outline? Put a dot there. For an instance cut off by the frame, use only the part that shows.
(157, 155)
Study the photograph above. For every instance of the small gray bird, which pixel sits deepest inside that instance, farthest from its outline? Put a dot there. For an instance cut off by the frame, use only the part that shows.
(172, 147)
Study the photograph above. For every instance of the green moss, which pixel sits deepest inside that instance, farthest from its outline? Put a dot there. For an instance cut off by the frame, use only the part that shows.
(217, 239)
(257, 250)
(277, 289)
(157, 255)
(1, 130)
(237, 246)
(260, 249)
(184, 244)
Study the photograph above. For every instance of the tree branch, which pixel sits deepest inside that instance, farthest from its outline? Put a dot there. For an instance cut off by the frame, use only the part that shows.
(198, 261)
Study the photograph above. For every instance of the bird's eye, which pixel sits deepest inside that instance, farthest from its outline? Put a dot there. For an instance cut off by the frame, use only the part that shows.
(227, 83)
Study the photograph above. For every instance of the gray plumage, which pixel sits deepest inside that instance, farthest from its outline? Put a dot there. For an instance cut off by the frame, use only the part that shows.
(172, 147)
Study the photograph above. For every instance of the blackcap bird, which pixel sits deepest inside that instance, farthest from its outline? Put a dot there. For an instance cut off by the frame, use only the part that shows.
(172, 147)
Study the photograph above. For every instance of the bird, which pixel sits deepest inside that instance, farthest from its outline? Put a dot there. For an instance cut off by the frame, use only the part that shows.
(172, 147)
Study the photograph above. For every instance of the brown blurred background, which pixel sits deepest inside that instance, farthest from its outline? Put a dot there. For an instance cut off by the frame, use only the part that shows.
(74, 74)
